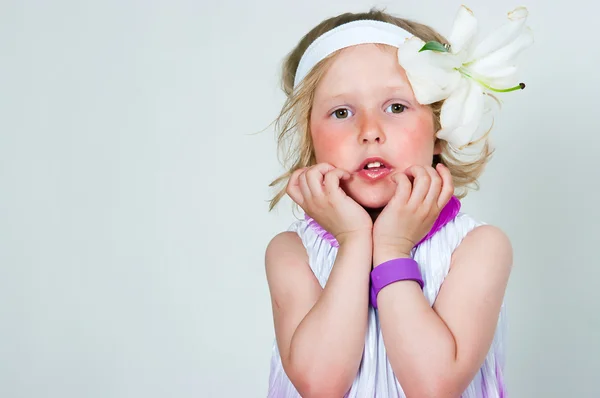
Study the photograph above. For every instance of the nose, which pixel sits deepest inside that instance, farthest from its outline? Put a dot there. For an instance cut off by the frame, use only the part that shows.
(371, 131)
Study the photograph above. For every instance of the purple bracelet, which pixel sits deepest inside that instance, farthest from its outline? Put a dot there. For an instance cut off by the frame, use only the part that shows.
(398, 269)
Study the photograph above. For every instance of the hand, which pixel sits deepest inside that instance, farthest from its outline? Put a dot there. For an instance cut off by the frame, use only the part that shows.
(317, 191)
(412, 211)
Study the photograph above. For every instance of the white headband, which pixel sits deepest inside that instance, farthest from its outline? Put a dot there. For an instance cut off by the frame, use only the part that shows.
(346, 35)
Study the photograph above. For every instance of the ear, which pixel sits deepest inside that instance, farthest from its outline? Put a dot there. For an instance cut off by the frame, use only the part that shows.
(437, 147)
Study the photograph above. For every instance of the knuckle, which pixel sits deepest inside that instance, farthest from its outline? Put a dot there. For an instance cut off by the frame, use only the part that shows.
(313, 172)
(330, 178)
(294, 176)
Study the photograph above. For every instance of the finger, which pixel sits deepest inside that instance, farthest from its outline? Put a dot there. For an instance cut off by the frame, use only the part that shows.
(403, 187)
(447, 185)
(315, 176)
(431, 200)
(303, 184)
(332, 182)
(421, 183)
(293, 187)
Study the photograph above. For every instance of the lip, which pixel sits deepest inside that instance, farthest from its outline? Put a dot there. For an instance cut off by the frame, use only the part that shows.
(374, 175)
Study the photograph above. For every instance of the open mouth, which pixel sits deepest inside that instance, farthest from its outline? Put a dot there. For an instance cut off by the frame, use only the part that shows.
(374, 169)
(373, 164)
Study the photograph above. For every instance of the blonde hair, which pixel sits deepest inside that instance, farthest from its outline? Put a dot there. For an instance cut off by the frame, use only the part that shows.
(294, 137)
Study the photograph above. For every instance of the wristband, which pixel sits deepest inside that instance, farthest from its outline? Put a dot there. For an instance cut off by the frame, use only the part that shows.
(398, 269)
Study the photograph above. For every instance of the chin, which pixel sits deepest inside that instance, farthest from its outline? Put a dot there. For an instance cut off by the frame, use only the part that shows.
(372, 196)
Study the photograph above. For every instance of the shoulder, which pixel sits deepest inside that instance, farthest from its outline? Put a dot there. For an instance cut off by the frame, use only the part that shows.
(283, 243)
(283, 251)
(486, 245)
(488, 237)
(289, 276)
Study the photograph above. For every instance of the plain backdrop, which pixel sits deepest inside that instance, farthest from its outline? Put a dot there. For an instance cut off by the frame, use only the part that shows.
(134, 175)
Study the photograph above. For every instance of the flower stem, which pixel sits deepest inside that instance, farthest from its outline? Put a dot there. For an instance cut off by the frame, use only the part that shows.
(520, 86)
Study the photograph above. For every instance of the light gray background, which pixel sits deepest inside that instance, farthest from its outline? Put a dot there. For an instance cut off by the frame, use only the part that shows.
(133, 214)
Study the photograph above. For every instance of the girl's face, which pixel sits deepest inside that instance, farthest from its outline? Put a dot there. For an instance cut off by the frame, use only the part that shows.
(364, 110)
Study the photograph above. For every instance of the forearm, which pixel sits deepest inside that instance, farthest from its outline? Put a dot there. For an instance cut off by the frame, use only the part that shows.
(420, 347)
(327, 346)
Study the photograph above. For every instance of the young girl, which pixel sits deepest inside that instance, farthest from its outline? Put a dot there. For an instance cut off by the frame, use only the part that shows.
(385, 289)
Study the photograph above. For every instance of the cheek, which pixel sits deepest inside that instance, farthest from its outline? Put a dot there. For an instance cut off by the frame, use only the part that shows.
(418, 139)
(328, 143)
(424, 126)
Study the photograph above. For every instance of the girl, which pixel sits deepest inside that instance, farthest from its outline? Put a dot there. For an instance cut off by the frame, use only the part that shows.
(385, 289)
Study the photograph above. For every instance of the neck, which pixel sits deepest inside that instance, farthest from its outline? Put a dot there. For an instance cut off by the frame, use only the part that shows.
(374, 213)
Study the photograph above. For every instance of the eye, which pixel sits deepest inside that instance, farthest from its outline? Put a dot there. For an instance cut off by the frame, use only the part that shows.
(396, 108)
(341, 113)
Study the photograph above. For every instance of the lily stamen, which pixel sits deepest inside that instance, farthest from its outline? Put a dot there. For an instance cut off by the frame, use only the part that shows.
(519, 86)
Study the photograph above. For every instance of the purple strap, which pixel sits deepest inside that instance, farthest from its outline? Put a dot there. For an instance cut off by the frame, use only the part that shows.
(398, 269)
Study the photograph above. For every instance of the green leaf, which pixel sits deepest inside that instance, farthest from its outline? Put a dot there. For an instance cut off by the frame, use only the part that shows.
(434, 46)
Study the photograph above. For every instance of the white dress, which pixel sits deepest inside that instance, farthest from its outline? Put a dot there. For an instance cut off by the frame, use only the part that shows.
(375, 377)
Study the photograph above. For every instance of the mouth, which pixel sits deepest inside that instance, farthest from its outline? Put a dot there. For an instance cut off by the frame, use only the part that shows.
(374, 164)
(374, 169)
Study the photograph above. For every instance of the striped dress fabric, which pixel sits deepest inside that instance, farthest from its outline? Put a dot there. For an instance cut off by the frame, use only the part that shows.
(375, 377)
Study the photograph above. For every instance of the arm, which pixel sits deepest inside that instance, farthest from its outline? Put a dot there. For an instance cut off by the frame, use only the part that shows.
(320, 332)
(436, 352)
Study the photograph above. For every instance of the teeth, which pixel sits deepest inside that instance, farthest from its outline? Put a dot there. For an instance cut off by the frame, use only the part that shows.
(374, 164)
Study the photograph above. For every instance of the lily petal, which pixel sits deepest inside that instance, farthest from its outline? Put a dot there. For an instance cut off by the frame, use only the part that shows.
(451, 114)
(463, 30)
(504, 56)
(431, 74)
(503, 35)
(499, 78)
(471, 112)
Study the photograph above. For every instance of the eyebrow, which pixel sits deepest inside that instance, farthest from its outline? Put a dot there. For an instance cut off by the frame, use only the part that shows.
(395, 89)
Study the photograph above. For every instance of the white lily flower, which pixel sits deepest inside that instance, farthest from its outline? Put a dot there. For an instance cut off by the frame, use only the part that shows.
(464, 73)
